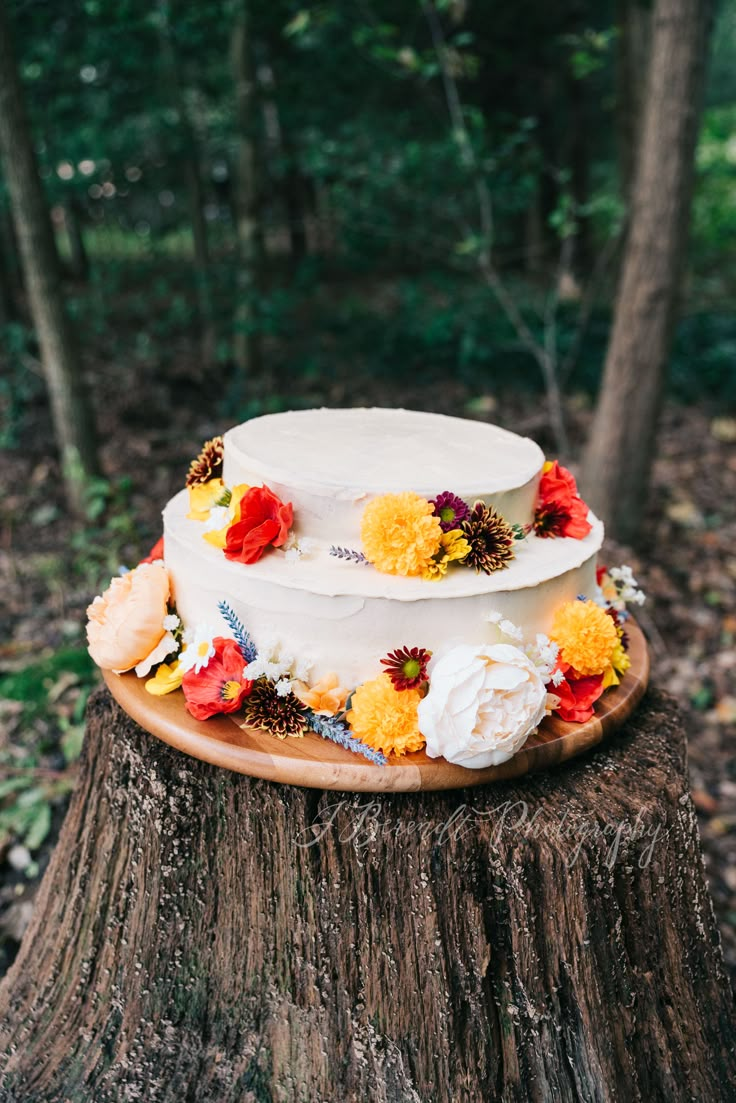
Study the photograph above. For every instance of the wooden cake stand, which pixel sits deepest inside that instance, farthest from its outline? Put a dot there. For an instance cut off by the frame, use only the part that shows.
(317, 763)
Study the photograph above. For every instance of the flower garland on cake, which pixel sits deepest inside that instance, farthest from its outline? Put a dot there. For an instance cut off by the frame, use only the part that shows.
(402, 533)
(473, 703)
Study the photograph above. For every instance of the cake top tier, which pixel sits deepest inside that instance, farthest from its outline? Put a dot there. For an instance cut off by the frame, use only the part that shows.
(329, 463)
(377, 451)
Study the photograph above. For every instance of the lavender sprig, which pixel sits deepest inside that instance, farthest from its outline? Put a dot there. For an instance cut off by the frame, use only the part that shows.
(347, 553)
(241, 636)
(329, 727)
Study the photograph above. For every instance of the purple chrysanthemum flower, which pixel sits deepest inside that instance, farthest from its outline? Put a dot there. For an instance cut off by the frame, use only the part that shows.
(450, 509)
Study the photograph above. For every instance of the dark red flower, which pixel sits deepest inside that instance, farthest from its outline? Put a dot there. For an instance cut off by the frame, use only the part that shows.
(450, 509)
(219, 686)
(577, 697)
(156, 552)
(560, 509)
(407, 666)
(262, 520)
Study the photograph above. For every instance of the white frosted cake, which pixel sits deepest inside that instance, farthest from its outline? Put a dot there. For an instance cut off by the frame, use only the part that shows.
(390, 580)
(343, 616)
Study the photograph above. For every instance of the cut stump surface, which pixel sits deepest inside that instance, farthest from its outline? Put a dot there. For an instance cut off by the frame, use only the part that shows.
(550, 939)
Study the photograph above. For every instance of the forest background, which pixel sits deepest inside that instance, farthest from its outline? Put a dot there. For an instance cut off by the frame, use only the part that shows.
(261, 206)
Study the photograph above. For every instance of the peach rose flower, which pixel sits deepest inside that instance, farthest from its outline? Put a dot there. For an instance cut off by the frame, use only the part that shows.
(126, 623)
(326, 696)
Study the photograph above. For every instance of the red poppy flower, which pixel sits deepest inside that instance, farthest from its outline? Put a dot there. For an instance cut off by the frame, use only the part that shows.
(577, 697)
(156, 552)
(560, 509)
(219, 686)
(263, 520)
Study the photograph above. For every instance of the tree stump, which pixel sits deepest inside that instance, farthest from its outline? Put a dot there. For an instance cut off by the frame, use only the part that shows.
(550, 939)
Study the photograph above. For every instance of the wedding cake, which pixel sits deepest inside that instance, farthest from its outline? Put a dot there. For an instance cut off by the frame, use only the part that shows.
(403, 578)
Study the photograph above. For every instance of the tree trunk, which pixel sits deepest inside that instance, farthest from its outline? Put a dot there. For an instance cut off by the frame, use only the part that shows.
(77, 250)
(72, 418)
(247, 339)
(195, 199)
(8, 305)
(621, 446)
(634, 25)
(203, 936)
(282, 152)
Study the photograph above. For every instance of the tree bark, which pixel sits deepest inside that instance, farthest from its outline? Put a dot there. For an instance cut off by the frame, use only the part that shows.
(71, 413)
(621, 445)
(544, 940)
(633, 22)
(247, 351)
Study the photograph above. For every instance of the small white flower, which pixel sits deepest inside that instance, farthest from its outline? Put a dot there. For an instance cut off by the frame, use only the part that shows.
(199, 648)
(302, 669)
(558, 678)
(511, 630)
(171, 622)
(298, 549)
(283, 687)
(218, 518)
(627, 587)
(543, 653)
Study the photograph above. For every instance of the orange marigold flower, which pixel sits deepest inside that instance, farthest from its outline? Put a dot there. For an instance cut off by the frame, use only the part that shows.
(586, 636)
(400, 533)
(386, 718)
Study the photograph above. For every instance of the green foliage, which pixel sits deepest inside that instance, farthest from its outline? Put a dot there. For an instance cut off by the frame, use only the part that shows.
(20, 383)
(29, 792)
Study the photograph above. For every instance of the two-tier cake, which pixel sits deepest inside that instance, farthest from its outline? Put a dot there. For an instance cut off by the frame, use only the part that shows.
(390, 577)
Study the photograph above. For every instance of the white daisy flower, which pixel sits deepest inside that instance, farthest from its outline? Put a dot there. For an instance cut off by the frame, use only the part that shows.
(199, 648)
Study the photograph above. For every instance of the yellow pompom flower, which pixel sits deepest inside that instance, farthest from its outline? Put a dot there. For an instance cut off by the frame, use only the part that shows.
(386, 718)
(400, 533)
(586, 636)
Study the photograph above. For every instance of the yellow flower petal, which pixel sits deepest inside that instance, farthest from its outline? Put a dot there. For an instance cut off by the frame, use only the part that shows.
(168, 677)
(203, 497)
(218, 537)
(454, 545)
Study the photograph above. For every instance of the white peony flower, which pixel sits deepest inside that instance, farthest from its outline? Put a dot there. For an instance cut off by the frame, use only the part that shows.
(483, 702)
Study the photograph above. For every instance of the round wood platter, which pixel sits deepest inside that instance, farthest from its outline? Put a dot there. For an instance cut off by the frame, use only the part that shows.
(317, 763)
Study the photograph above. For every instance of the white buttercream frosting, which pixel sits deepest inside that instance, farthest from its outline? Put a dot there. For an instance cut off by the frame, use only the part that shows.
(344, 617)
(329, 463)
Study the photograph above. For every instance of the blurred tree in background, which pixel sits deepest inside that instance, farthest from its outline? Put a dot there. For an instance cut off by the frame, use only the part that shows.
(430, 189)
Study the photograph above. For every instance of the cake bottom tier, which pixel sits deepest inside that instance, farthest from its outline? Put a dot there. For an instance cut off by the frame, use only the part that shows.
(339, 617)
